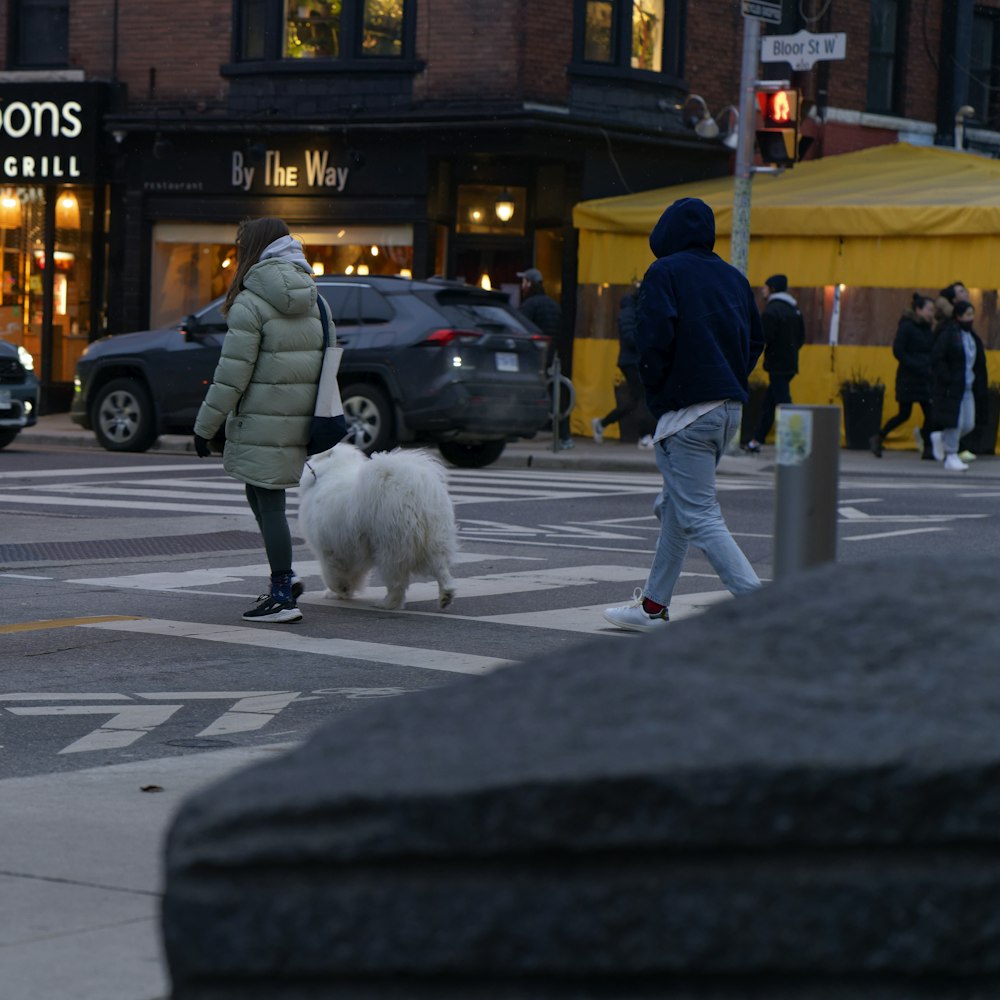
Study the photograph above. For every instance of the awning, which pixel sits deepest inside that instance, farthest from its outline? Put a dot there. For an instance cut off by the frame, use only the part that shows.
(896, 216)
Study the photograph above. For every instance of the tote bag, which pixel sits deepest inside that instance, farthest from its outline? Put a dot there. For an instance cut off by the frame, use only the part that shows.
(328, 423)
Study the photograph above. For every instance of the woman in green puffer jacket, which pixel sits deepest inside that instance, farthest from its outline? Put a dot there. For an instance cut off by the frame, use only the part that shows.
(264, 390)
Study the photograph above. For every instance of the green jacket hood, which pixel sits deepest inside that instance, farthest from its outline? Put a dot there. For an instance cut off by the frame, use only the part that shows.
(283, 285)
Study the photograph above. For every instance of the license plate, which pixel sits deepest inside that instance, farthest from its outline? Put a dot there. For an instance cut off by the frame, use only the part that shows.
(506, 362)
(4, 399)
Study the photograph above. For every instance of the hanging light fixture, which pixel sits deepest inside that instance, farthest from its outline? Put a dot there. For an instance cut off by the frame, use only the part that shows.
(504, 206)
(67, 211)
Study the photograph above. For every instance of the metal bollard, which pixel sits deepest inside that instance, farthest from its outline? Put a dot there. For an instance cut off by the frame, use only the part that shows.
(805, 515)
(556, 373)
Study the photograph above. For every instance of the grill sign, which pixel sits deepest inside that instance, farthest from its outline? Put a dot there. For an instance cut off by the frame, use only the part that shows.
(49, 131)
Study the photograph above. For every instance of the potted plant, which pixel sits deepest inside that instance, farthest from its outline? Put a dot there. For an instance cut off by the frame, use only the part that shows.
(862, 405)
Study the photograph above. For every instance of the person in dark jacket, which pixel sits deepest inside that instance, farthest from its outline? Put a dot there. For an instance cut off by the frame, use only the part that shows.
(944, 305)
(628, 364)
(543, 310)
(784, 335)
(958, 385)
(912, 349)
(699, 336)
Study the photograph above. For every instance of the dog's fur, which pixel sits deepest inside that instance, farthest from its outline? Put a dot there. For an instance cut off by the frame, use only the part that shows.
(391, 511)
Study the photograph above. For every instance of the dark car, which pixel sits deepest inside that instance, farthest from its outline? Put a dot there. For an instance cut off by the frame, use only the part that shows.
(18, 392)
(424, 361)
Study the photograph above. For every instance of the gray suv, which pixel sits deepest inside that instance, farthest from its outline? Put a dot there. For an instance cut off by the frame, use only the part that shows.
(18, 392)
(434, 362)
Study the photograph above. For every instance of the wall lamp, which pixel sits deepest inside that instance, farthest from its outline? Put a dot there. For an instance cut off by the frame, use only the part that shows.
(697, 116)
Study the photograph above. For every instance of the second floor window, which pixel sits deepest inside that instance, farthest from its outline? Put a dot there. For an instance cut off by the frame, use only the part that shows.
(883, 56)
(40, 34)
(984, 70)
(322, 29)
(628, 34)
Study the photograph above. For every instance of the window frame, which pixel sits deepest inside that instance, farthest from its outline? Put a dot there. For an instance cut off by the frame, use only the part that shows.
(352, 14)
(15, 59)
(988, 116)
(898, 56)
(671, 55)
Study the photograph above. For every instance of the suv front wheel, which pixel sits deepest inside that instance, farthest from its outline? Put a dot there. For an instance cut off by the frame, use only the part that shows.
(369, 417)
(472, 455)
(122, 416)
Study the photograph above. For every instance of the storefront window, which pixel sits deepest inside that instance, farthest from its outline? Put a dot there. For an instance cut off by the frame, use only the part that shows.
(25, 263)
(193, 263)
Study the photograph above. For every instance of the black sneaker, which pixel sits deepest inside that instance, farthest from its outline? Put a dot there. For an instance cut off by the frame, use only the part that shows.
(269, 609)
(298, 587)
(875, 445)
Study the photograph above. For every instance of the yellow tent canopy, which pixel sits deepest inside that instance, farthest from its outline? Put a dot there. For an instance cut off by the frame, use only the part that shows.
(896, 216)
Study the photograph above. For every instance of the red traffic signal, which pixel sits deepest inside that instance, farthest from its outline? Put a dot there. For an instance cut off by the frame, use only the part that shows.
(778, 131)
(779, 108)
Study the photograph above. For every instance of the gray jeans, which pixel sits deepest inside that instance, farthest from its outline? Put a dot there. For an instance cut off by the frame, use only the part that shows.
(688, 508)
(950, 436)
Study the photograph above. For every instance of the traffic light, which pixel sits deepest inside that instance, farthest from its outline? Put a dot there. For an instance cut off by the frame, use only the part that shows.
(778, 139)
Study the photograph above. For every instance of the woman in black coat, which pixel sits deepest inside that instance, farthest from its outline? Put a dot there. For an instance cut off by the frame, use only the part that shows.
(912, 349)
(958, 387)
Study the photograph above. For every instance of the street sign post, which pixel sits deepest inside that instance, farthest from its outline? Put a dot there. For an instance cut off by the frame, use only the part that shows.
(763, 10)
(803, 49)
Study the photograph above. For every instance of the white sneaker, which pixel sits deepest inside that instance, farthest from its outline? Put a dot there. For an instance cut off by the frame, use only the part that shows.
(954, 464)
(937, 446)
(598, 430)
(633, 618)
(967, 456)
(646, 441)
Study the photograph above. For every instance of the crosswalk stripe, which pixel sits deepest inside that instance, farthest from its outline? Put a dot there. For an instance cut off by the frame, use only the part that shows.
(348, 649)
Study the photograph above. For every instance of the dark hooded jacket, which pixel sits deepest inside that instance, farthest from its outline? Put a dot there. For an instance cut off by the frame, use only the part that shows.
(948, 376)
(912, 348)
(699, 333)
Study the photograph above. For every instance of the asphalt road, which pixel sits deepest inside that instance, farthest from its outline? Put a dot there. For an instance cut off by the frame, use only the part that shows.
(124, 577)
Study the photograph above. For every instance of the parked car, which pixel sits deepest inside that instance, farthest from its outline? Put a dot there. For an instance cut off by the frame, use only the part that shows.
(431, 361)
(18, 392)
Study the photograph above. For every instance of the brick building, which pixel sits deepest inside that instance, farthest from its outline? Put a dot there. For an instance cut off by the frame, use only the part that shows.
(397, 135)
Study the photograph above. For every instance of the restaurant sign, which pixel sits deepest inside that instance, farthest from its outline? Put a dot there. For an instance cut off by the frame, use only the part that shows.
(50, 132)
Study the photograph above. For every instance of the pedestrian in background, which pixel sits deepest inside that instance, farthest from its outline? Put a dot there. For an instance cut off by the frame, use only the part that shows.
(958, 392)
(628, 364)
(944, 304)
(784, 335)
(541, 309)
(912, 349)
(264, 390)
(699, 336)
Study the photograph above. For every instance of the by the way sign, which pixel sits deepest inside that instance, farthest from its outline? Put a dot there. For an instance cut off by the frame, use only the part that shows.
(803, 49)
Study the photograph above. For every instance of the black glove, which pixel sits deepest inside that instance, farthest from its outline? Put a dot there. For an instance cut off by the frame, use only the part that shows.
(202, 447)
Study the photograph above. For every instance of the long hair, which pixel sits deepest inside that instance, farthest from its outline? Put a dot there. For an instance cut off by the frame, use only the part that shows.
(252, 238)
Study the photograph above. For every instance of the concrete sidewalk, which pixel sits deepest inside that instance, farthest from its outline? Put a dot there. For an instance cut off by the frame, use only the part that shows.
(57, 430)
(80, 875)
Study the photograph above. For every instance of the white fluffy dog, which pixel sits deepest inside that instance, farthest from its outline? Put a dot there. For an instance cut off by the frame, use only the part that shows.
(391, 511)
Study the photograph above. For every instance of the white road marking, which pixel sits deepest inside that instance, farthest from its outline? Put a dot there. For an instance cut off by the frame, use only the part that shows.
(854, 516)
(348, 649)
(63, 696)
(589, 620)
(889, 534)
(112, 470)
(128, 723)
(47, 501)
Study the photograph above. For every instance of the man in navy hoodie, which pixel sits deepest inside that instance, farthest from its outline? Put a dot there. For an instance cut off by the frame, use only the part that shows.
(699, 336)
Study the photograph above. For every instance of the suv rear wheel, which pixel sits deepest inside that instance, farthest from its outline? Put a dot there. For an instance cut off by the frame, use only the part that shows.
(122, 416)
(7, 436)
(472, 455)
(369, 417)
